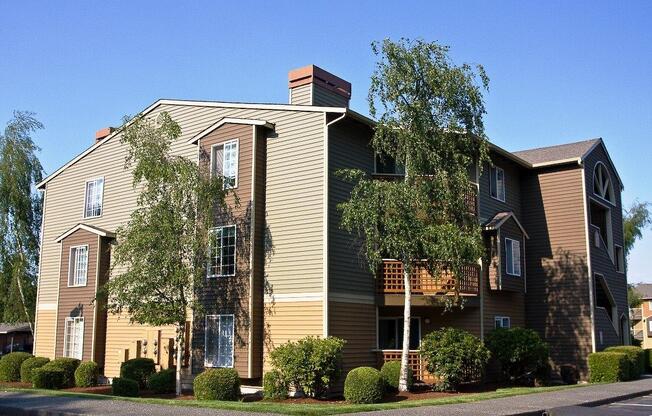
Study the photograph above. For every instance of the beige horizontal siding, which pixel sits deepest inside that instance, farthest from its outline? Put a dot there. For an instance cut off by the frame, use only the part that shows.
(301, 95)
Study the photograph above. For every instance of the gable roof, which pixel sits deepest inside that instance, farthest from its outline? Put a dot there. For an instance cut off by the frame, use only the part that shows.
(501, 218)
(644, 289)
(86, 227)
(229, 120)
(10, 328)
(563, 153)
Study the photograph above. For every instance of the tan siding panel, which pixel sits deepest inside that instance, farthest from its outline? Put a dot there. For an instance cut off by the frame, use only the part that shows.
(301, 95)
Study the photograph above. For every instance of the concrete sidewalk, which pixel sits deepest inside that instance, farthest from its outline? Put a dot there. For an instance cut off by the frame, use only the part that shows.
(20, 403)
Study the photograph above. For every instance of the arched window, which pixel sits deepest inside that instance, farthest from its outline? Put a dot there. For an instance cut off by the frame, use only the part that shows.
(602, 185)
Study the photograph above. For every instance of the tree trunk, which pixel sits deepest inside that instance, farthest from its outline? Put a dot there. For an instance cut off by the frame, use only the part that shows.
(403, 378)
(20, 284)
(181, 330)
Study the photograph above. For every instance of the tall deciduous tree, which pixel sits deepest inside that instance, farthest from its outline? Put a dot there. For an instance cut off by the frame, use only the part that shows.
(161, 251)
(20, 218)
(635, 220)
(429, 114)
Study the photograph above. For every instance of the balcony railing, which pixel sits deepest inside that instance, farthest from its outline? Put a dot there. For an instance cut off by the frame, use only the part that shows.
(418, 365)
(390, 280)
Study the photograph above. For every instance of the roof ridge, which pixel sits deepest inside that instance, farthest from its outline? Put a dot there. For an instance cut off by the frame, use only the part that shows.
(558, 145)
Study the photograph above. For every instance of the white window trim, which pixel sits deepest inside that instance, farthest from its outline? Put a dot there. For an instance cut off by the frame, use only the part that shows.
(519, 257)
(86, 195)
(206, 363)
(491, 172)
(397, 318)
(65, 336)
(71, 265)
(500, 319)
(235, 254)
(237, 161)
(613, 189)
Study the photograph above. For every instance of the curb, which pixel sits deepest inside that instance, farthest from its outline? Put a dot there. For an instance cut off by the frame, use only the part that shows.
(589, 404)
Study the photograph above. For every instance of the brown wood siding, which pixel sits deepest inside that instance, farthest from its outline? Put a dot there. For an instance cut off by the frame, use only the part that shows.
(490, 206)
(467, 318)
(508, 282)
(355, 323)
(100, 312)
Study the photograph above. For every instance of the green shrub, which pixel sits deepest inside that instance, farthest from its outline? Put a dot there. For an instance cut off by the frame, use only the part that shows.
(138, 369)
(165, 381)
(608, 367)
(68, 366)
(275, 387)
(453, 355)
(10, 365)
(86, 374)
(520, 352)
(29, 365)
(391, 372)
(311, 364)
(364, 385)
(124, 387)
(48, 378)
(636, 358)
(217, 384)
(648, 360)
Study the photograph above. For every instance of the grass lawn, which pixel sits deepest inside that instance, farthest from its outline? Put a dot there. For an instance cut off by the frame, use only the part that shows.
(311, 409)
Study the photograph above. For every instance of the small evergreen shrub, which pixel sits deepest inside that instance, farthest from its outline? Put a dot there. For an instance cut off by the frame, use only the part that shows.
(217, 384)
(636, 358)
(454, 356)
(391, 372)
(29, 365)
(48, 378)
(10, 365)
(138, 369)
(68, 366)
(648, 360)
(124, 387)
(86, 374)
(364, 385)
(274, 386)
(165, 381)
(521, 352)
(608, 367)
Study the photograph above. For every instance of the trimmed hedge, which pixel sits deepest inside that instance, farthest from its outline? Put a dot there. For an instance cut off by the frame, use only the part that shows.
(521, 353)
(364, 385)
(125, 387)
(608, 367)
(274, 386)
(636, 358)
(10, 365)
(138, 369)
(391, 373)
(48, 378)
(29, 365)
(165, 381)
(68, 366)
(86, 374)
(217, 384)
(648, 360)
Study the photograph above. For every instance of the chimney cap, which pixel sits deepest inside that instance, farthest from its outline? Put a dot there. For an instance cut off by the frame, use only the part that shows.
(102, 133)
(314, 74)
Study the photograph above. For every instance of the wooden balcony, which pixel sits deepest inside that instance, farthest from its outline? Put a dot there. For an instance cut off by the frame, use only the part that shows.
(390, 280)
(418, 365)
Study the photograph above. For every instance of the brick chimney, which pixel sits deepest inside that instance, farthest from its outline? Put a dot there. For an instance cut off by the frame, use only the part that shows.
(103, 133)
(311, 85)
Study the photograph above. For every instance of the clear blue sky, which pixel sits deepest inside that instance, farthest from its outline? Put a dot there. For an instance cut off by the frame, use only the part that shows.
(560, 71)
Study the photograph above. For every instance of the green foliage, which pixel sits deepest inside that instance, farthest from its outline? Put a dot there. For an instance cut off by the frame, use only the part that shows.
(163, 382)
(364, 385)
(138, 369)
(635, 357)
(29, 365)
(87, 374)
(217, 384)
(48, 378)
(634, 298)
(519, 351)
(124, 387)
(452, 354)
(648, 360)
(275, 387)
(10, 365)
(311, 364)
(391, 371)
(68, 366)
(635, 220)
(608, 367)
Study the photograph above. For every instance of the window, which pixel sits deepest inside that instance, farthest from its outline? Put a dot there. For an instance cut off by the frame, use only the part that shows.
(78, 268)
(73, 338)
(497, 183)
(513, 257)
(620, 259)
(218, 342)
(93, 198)
(224, 162)
(601, 221)
(602, 185)
(649, 304)
(387, 165)
(221, 260)
(502, 322)
(649, 326)
(390, 333)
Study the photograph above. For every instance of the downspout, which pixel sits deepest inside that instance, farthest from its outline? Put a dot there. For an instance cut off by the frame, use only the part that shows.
(588, 259)
(481, 282)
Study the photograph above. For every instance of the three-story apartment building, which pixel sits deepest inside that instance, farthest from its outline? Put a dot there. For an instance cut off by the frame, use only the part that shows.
(281, 268)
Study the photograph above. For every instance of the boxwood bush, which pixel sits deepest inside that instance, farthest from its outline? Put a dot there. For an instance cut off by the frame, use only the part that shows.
(275, 387)
(48, 378)
(636, 358)
(165, 381)
(391, 372)
(217, 384)
(86, 374)
(453, 355)
(364, 385)
(124, 387)
(521, 352)
(138, 369)
(29, 365)
(68, 366)
(10, 365)
(608, 367)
